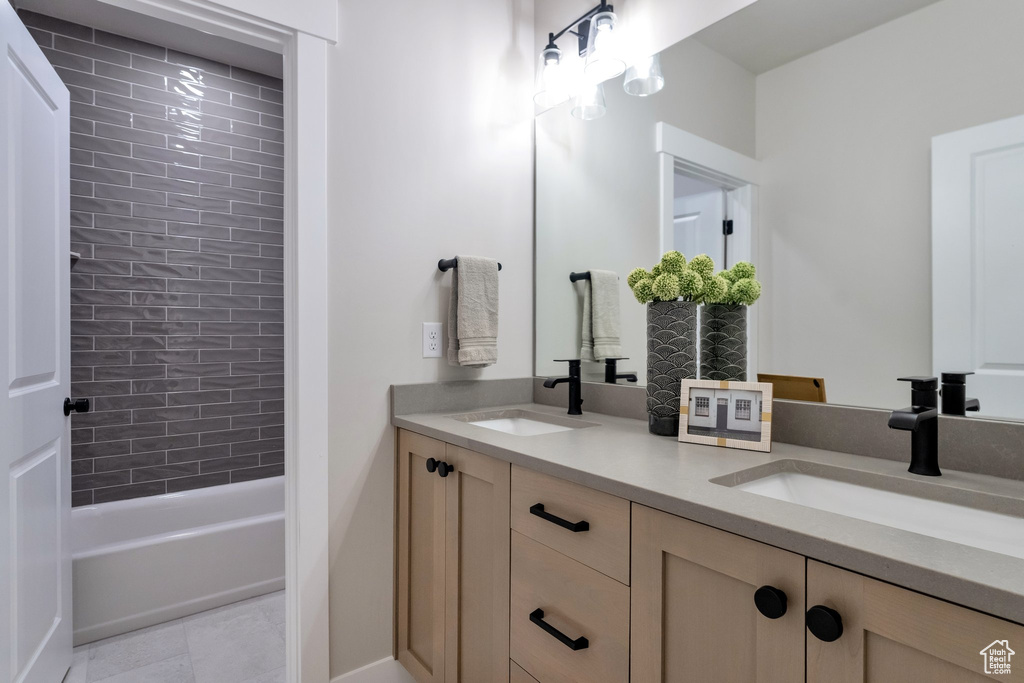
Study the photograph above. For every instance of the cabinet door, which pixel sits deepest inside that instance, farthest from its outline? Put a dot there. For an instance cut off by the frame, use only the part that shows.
(893, 634)
(477, 568)
(421, 558)
(693, 611)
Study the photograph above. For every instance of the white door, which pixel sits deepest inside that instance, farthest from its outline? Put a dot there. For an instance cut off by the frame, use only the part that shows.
(977, 252)
(697, 225)
(35, 507)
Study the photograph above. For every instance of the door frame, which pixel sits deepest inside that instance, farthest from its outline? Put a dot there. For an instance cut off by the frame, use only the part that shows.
(680, 151)
(306, 357)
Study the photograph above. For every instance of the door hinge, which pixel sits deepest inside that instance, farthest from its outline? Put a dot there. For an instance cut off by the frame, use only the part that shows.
(727, 227)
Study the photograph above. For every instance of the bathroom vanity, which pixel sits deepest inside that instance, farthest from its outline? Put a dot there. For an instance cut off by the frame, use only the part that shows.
(598, 552)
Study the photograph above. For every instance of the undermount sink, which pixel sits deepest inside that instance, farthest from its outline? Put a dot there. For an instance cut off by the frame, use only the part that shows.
(522, 422)
(972, 518)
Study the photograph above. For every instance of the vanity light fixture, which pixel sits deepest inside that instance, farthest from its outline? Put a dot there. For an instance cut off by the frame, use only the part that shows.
(589, 103)
(644, 78)
(601, 57)
(603, 60)
(552, 84)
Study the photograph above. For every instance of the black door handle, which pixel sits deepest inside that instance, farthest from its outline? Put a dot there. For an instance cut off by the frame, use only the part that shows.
(581, 643)
(770, 601)
(538, 510)
(79, 406)
(431, 465)
(444, 469)
(824, 623)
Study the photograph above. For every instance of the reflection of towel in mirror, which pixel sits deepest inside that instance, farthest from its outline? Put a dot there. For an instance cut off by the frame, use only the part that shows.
(473, 313)
(601, 316)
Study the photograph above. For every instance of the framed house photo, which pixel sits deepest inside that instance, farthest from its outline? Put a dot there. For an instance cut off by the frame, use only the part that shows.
(730, 414)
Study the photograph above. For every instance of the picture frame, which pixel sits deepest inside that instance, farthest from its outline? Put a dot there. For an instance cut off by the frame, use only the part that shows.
(726, 414)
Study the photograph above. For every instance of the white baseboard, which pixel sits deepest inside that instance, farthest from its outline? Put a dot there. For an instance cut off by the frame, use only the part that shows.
(351, 675)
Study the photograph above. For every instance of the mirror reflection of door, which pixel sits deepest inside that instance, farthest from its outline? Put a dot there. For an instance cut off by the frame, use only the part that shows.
(697, 220)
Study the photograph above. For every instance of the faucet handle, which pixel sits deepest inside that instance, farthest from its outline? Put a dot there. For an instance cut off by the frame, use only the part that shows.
(918, 383)
(955, 377)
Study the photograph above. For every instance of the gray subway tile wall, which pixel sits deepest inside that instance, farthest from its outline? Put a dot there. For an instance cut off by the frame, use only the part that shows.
(177, 301)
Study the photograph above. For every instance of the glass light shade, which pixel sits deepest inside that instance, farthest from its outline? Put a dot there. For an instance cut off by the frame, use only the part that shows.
(644, 78)
(603, 59)
(552, 81)
(589, 103)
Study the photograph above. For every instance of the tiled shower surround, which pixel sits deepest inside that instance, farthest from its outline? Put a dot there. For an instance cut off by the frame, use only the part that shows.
(177, 316)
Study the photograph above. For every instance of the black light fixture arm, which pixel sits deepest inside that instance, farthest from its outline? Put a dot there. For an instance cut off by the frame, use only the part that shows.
(581, 35)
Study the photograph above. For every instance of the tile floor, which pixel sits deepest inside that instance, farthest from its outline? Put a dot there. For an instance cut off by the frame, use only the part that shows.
(239, 643)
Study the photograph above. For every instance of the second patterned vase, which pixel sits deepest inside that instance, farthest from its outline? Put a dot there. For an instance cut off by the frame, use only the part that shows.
(671, 358)
(723, 342)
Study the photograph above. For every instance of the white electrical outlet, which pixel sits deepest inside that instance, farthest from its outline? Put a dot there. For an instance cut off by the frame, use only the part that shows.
(431, 340)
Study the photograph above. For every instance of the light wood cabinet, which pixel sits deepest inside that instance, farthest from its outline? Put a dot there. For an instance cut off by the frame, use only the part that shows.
(893, 634)
(569, 622)
(453, 563)
(693, 612)
(490, 592)
(544, 508)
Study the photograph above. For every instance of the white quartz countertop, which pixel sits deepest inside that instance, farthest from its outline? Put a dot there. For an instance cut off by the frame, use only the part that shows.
(620, 457)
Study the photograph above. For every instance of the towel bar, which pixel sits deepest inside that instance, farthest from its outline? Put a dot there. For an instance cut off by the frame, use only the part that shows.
(446, 264)
(576, 277)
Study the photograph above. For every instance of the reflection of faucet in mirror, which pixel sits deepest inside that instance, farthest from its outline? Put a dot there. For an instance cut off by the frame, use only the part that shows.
(611, 372)
(921, 419)
(575, 385)
(954, 394)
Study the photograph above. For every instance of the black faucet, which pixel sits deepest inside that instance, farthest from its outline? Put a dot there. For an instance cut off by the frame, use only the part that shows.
(575, 386)
(921, 419)
(611, 375)
(954, 394)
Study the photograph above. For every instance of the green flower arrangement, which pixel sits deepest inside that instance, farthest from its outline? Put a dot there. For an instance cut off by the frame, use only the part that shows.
(673, 278)
(741, 287)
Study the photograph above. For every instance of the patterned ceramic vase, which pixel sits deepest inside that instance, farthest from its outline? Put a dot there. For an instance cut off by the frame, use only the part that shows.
(723, 342)
(671, 358)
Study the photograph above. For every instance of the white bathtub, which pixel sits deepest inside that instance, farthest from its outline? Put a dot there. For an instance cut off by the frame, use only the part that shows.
(141, 562)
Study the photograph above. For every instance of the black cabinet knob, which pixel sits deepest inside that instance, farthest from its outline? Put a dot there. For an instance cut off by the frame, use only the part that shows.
(770, 601)
(79, 406)
(824, 623)
(444, 469)
(431, 465)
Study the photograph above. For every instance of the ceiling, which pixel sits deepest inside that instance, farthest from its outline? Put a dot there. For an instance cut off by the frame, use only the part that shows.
(770, 33)
(148, 29)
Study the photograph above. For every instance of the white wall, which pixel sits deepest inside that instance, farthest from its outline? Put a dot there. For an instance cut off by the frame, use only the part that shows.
(431, 156)
(598, 184)
(844, 138)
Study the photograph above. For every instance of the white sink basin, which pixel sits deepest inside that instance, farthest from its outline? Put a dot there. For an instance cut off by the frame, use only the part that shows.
(522, 422)
(979, 528)
(520, 426)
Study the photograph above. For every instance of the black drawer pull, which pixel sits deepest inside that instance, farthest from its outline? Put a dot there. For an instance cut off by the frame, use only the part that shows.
(581, 643)
(538, 510)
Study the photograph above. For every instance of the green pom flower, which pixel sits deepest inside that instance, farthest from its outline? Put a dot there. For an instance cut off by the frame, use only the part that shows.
(729, 276)
(643, 290)
(716, 289)
(703, 265)
(691, 284)
(666, 287)
(745, 291)
(656, 271)
(673, 262)
(635, 276)
(743, 270)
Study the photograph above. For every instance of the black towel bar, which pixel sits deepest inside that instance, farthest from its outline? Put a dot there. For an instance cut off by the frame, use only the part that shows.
(446, 264)
(576, 277)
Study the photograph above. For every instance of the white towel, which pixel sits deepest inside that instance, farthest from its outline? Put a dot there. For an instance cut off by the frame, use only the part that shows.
(473, 313)
(601, 316)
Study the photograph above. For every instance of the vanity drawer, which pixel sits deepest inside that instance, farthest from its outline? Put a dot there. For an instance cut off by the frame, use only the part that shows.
(555, 602)
(517, 675)
(605, 543)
